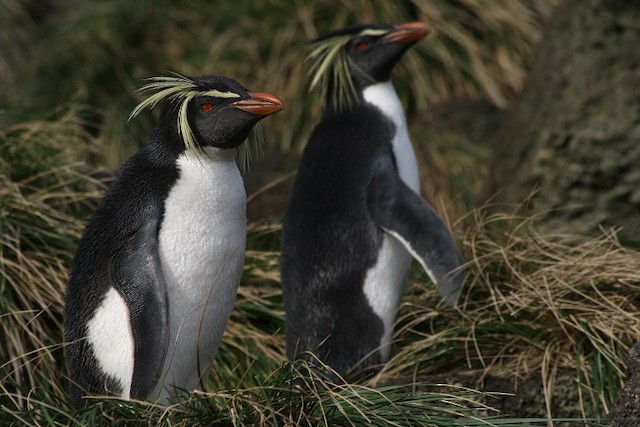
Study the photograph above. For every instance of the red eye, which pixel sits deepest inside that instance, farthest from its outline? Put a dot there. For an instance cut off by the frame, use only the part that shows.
(362, 46)
(206, 106)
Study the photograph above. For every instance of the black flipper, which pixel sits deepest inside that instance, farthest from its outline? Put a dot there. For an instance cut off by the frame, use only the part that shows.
(137, 275)
(399, 211)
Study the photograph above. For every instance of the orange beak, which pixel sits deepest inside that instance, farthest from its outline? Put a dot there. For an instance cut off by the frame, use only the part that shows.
(409, 32)
(260, 103)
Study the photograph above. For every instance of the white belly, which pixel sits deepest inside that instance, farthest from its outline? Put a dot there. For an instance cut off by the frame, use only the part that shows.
(202, 246)
(385, 281)
(109, 332)
(384, 284)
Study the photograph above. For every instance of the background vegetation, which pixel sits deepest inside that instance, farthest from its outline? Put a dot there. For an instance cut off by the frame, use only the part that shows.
(542, 306)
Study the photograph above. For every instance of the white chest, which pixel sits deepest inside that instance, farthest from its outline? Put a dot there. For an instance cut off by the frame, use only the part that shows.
(384, 97)
(202, 245)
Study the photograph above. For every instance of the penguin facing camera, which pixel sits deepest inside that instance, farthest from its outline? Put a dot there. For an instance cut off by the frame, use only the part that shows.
(156, 272)
(355, 217)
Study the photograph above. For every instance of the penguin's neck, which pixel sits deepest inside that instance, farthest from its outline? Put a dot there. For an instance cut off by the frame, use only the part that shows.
(216, 154)
(383, 96)
(331, 108)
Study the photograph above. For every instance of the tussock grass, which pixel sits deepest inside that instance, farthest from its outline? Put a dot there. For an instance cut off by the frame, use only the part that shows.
(294, 394)
(41, 200)
(534, 304)
(253, 384)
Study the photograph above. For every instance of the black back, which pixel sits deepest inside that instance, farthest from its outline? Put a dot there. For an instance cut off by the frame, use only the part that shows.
(346, 193)
(119, 249)
(329, 240)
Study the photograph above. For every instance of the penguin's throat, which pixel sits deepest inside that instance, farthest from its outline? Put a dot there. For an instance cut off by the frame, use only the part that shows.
(212, 153)
(384, 97)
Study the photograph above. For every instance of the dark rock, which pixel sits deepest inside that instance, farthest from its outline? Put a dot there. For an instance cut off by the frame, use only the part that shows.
(626, 411)
(570, 146)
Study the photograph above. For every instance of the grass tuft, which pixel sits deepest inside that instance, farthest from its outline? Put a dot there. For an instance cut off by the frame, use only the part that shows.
(535, 304)
(294, 394)
(41, 202)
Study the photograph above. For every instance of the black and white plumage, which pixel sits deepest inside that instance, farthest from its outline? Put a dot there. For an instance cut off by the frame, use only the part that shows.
(156, 272)
(355, 217)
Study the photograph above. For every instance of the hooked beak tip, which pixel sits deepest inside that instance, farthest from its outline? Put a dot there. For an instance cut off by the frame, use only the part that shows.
(260, 103)
(409, 32)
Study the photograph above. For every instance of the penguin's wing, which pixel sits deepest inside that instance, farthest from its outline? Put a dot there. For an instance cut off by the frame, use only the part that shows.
(399, 211)
(136, 273)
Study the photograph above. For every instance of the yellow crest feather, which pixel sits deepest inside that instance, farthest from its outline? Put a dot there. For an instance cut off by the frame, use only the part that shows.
(330, 63)
(176, 87)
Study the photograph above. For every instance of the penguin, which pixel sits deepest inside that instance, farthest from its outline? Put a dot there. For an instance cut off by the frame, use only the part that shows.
(355, 218)
(155, 274)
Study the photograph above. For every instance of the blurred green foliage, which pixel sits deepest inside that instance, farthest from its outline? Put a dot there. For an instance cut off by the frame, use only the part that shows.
(95, 54)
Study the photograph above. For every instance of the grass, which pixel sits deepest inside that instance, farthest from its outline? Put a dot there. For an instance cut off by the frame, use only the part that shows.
(43, 191)
(293, 395)
(534, 304)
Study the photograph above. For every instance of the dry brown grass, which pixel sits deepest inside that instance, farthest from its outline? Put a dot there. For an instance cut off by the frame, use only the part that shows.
(534, 304)
(40, 200)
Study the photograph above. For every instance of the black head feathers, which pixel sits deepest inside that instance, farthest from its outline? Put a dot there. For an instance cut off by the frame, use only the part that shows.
(347, 60)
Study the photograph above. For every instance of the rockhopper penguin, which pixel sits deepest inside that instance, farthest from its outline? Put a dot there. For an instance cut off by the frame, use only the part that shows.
(355, 217)
(156, 272)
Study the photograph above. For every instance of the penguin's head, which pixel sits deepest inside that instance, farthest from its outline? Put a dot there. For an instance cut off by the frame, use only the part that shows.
(347, 60)
(226, 121)
(208, 111)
